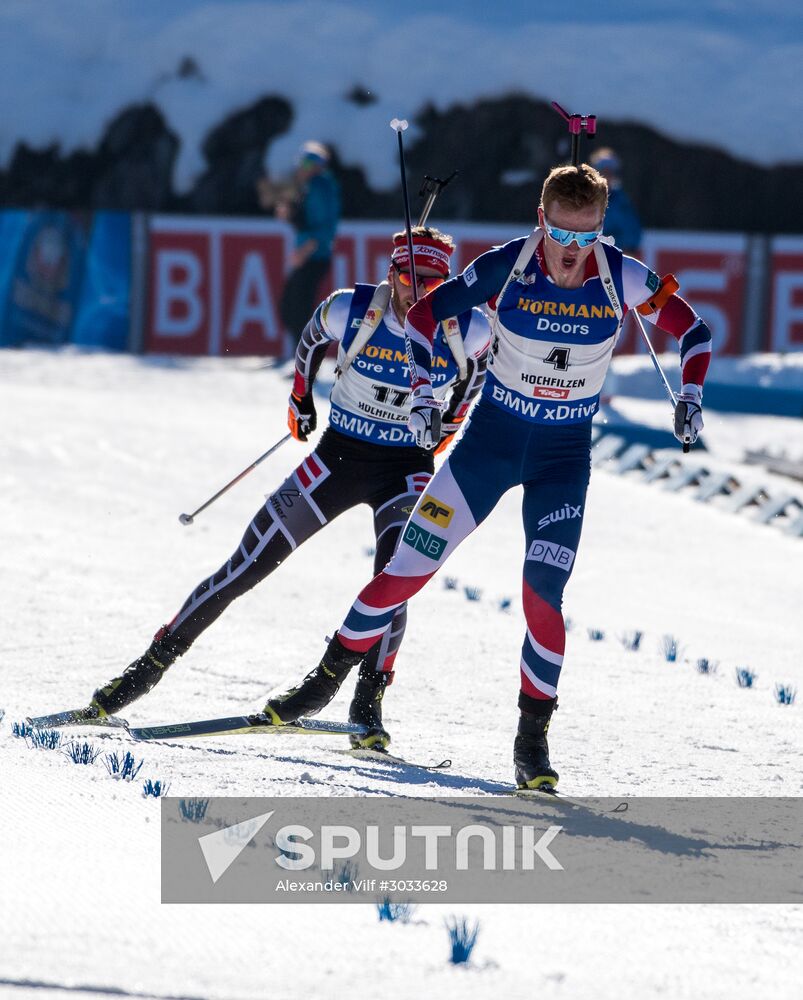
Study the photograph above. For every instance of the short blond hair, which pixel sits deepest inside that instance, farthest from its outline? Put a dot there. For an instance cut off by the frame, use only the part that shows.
(575, 188)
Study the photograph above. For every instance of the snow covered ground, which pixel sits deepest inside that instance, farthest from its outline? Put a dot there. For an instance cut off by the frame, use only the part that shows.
(98, 456)
(636, 393)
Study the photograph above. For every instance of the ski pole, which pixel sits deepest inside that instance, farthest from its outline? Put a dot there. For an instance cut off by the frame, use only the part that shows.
(189, 518)
(399, 126)
(672, 397)
(430, 190)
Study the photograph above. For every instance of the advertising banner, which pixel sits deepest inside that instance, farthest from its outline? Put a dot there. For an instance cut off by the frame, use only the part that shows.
(42, 261)
(785, 327)
(215, 284)
(711, 269)
(65, 278)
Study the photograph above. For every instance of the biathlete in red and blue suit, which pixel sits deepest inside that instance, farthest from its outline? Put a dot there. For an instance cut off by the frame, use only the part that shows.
(557, 300)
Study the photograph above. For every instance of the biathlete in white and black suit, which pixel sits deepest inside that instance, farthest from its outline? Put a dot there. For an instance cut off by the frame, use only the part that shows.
(366, 455)
(557, 299)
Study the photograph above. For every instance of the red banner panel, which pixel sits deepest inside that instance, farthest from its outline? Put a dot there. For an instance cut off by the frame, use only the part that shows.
(252, 277)
(215, 284)
(178, 308)
(786, 295)
(711, 269)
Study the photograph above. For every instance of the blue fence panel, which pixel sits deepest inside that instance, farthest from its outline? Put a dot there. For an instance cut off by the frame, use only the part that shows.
(65, 278)
(102, 315)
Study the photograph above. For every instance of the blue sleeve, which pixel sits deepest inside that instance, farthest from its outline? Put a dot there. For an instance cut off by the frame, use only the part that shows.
(479, 282)
(321, 212)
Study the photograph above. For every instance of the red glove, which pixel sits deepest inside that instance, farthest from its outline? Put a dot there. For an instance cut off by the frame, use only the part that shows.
(301, 417)
(448, 430)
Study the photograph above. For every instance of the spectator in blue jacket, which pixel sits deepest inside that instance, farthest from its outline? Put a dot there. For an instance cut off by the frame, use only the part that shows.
(621, 218)
(315, 216)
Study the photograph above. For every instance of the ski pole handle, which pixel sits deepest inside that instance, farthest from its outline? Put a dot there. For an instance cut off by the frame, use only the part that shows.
(430, 190)
(577, 124)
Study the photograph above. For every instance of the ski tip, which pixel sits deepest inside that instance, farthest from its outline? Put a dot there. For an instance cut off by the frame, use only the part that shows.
(374, 753)
(75, 717)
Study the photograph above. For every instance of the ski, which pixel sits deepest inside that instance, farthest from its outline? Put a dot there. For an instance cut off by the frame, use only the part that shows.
(76, 717)
(367, 753)
(241, 724)
(230, 726)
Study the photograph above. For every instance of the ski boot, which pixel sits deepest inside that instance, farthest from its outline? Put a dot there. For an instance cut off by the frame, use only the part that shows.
(138, 677)
(530, 748)
(366, 708)
(318, 687)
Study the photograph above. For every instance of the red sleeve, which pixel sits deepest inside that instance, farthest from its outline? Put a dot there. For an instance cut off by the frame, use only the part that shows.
(679, 319)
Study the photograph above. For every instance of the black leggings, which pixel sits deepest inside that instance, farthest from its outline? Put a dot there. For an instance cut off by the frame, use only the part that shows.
(340, 474)
(300, 295)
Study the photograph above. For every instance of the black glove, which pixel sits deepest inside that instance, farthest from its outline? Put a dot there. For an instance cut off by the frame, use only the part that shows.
(301, 417)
